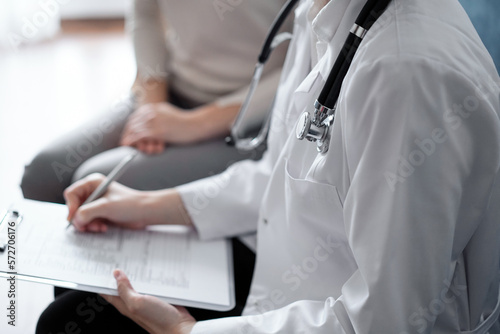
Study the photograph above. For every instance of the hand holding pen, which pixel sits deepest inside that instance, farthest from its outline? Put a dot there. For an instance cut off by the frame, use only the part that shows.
(120, 205)
(91, 189)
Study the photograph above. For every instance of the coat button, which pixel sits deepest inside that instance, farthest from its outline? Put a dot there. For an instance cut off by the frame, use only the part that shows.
(265, 221)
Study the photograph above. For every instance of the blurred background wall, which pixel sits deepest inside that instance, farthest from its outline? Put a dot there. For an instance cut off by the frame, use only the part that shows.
(62, 62)
(27, 21)
(485, 15)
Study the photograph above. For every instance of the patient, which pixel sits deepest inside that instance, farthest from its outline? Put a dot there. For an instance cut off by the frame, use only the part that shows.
(191, 80)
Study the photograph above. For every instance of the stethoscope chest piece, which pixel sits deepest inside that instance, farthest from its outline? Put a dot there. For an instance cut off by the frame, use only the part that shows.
(303, 125)
(313, 130)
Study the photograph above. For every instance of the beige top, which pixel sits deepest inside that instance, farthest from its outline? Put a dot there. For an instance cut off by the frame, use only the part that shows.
(207, 49)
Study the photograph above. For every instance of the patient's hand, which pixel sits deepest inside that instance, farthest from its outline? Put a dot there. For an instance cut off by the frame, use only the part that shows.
(154, 125)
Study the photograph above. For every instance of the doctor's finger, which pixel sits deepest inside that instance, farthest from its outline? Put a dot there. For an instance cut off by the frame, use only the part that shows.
(86, 214)
(79, 191)
(137, 306)
(96, 226)
(126, 292)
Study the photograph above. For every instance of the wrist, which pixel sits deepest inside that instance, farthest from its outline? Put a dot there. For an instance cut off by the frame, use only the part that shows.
(213, 120)
(149, 90)
(165, 207)
(197, 123)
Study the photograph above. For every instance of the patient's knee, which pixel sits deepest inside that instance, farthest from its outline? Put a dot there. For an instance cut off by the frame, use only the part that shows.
(45, 178)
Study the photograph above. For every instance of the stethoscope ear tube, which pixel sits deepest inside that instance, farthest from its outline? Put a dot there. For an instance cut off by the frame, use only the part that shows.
(369, 15)
(273, 39)
(275, 27)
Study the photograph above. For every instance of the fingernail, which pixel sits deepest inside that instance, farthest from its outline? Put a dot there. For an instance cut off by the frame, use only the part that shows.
(117, 273)
(69, 216)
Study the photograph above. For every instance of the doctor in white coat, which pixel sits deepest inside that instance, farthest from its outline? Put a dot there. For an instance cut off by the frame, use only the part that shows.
(396, 229)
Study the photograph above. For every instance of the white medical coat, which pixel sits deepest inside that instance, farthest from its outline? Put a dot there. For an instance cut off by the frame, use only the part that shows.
(394, 230)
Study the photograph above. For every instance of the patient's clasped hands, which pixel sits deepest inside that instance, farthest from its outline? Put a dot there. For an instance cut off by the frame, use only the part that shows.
(154, 125)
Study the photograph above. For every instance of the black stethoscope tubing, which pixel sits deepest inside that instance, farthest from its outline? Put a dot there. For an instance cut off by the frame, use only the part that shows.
(368, 16)
(275, 27)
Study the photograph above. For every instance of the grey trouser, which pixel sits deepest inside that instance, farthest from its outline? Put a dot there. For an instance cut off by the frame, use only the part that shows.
(94, 148)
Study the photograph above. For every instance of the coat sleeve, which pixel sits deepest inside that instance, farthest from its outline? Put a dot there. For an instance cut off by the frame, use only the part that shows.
(423, 151)
(147, 29)
(227, 204)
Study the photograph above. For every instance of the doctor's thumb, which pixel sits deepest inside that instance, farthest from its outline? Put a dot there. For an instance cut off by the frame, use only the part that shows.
(125, 289)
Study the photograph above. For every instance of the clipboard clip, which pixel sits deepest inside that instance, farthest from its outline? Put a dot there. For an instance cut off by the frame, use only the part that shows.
(8, 215)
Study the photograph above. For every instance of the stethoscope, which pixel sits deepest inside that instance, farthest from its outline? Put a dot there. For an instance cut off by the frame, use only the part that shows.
(313, 127)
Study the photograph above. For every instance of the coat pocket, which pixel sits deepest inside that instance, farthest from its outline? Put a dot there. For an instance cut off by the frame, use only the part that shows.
(312, 206)
(314, 217)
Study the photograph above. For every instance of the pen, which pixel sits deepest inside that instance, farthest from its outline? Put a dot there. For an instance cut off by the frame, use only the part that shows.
(3, 223)
(3, 244)
(115, 174)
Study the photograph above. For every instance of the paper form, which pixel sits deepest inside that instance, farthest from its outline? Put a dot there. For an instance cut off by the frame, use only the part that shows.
(168, 261)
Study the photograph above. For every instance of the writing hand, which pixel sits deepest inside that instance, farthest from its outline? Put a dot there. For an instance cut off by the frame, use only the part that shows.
(120, 205)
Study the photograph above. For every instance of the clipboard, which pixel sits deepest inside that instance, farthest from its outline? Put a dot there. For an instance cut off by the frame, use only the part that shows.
(168, 262)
